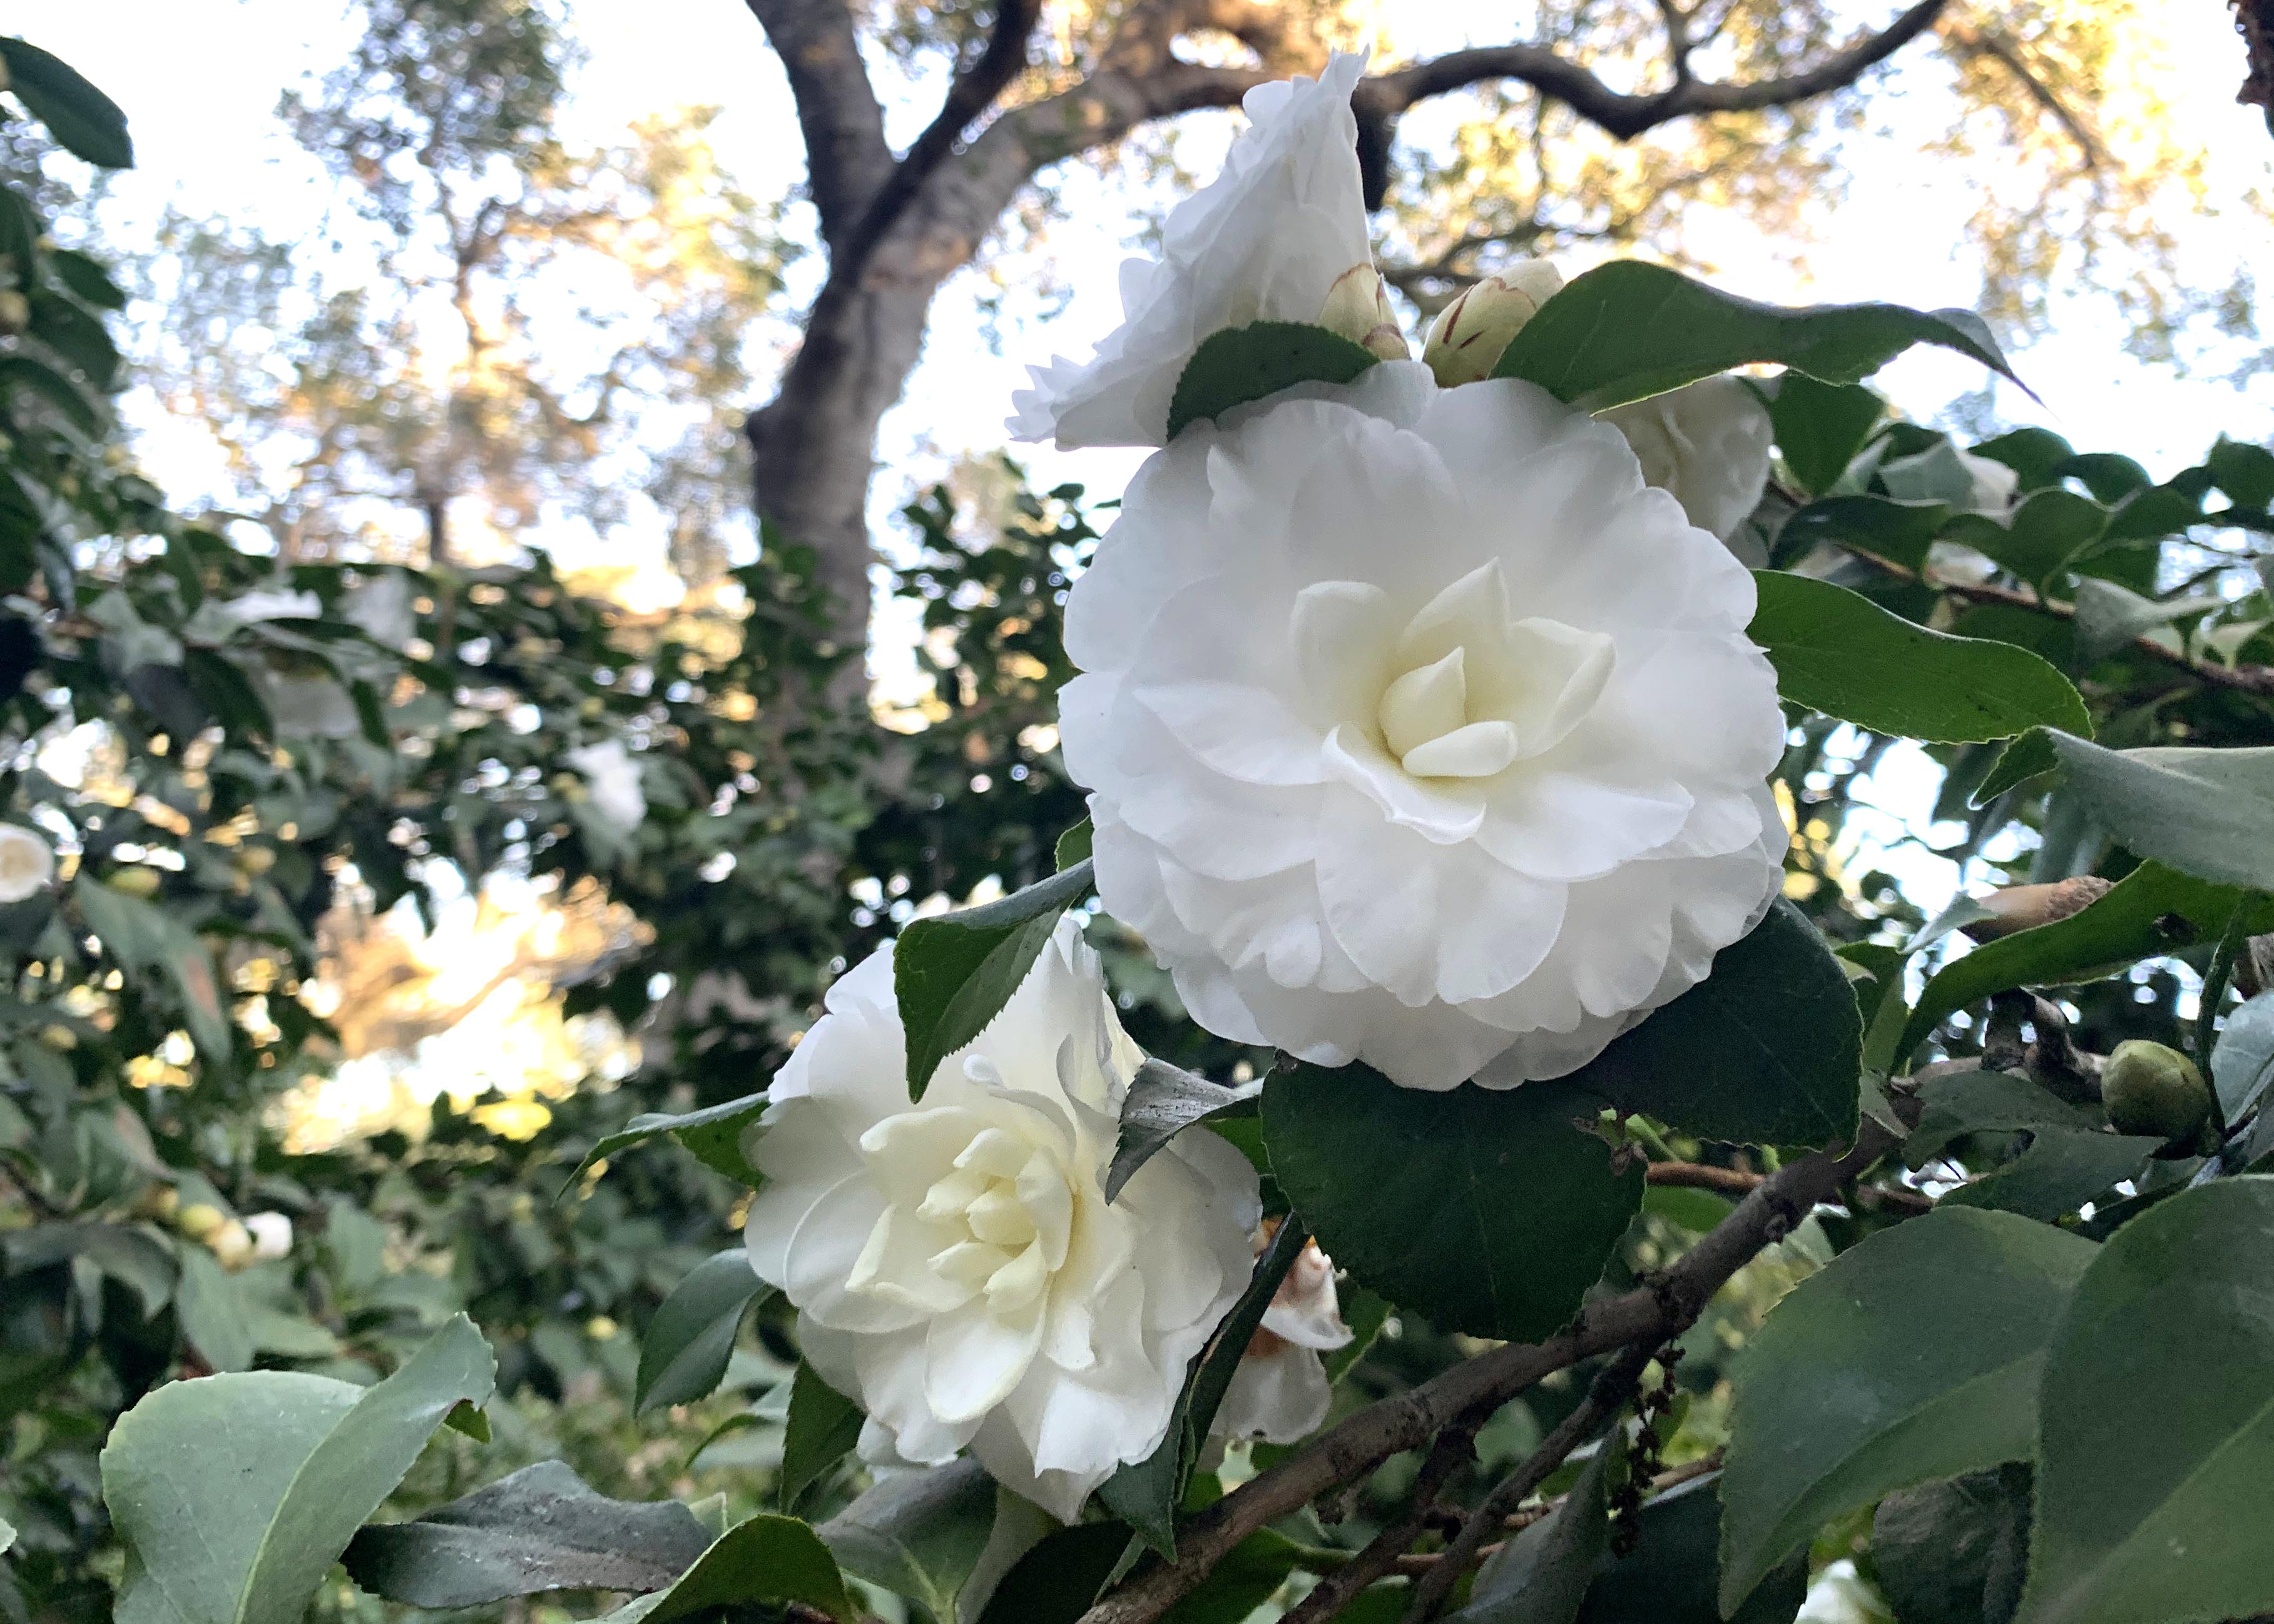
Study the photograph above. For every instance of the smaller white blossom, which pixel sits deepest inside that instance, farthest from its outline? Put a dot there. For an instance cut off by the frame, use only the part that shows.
(1280, 1392)
(1267, 241)
(612, 774)
(954, 1262)
(271, 1233)
(1994, 484)
(1707, 444)
(1840, 1596)
(26, 863)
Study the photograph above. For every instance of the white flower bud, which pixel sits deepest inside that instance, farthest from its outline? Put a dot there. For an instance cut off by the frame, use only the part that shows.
(232, 1243)
(1466, 339)
(1358, 307)
(26, 864)
(271, 1233)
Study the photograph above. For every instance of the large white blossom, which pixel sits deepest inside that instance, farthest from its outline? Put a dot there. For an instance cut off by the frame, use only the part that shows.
(1279, 1392)
(1267, 241)
(1708, 444)
(954, 1262)
(26, 863)
(611, 775)
(1421, 731)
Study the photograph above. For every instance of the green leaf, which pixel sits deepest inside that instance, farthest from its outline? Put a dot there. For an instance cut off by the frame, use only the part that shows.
(2040, 536)
(77, 406)
(683, 1356)
(2242, 1061)
(1766, 1049)
(2207, 813)
(918, 1534)
(1837, 651)
(2244, 471)
(1484, 1209)
(1245, 1579)
(952, 974)
(2149, 912)
(1821, 427)
(235, 1494)
(1163, 1102)
(2156, 1422)
(542, 1528)
(87, 278)
(1900, 532)
(1914, 1356)
(77, 337)
(1672, 1574)
(86, 123)
(714, 1134)
(767, 1560)
(1954, 1551)
(1240, 364)
(1055, 1582)
(2030, 756)
(1073, 845)
(134, 1257)
(1958, 1103)
(1146, 1494)
(146, 939)
(2059, 1170)
(822, 1427)
(1626, 330)
(213, 1311)
(2109, 617)
(1542, 1575)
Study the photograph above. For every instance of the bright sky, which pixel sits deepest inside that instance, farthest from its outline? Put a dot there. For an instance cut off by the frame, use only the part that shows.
(199, 81)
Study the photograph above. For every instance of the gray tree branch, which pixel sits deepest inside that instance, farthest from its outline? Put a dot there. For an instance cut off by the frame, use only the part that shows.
(847, 159)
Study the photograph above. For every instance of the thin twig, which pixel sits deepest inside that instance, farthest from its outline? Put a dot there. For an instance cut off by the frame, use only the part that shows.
(1662, 1307)
(1446, 1456)
(1606, 1397)
(1739, 1183)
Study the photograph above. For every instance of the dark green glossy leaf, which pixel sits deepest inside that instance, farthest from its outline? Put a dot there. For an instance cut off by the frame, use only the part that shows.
(1073, 845)
(714, 1134)
(2059, 1171)
(918, 1534)
(1958, 1103)
(540, 1529)
(683, 1356)
(2207, 813)
(952, 974)
(1627, 330)
(767, 1560)
(148, 940)
(1163, 1102)
(1839, 652)
(1055, 1582)
(1821, 427)
(1240, 364)
(1671, 1575)
(1936, 1331)
(2242, 1061)
(86, 123)
(2157, 1422)
(1542, 1575)
(1484, 1209)
(1900, 532)
(2038, 537)
(1954, 1551)
(304, 1459)
(2243, 470)
(87, 278)
(822, 1427)
(2150, 912)
(1767, 1050)
(21, 372)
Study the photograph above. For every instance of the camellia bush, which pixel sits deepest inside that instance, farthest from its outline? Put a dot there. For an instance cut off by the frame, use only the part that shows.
(1606, 1208)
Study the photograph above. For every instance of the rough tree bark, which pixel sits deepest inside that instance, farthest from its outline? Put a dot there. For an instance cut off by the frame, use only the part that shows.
(896, 229)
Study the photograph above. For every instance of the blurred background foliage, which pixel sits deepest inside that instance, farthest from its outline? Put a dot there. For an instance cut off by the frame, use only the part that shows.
(349, 925)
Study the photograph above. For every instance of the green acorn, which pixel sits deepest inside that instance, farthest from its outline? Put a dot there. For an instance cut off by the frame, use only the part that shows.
(2149, 1088)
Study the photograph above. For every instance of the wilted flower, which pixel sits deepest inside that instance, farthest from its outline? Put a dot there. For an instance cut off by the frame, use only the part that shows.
(1421, 731)
(954, 1262)
(611, 775)
(1708, 444)
(26, 863)
(1279, 1393)
(1466, 339)
(1267, 241)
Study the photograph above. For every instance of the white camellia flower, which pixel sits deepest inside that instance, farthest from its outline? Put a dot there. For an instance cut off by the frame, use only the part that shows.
(26, 863)
(612, 776)
(1708, 443)
(1421, 731)
(954, 1262)
(271, 1233)
(1279, 1391)
(1268, 241)
(1840, 1596)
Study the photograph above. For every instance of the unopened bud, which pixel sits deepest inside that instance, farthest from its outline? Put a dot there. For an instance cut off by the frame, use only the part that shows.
(271, 1233)
(15, 312)
(200, 1219)
(232, 1243)
(136, 882)
(2152, 1089)
(1358, 307)
(2025, 907)
(1466, 339)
